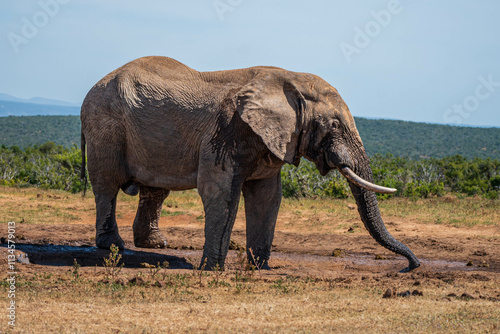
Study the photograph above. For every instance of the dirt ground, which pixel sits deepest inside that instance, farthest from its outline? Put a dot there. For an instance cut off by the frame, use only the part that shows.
(322, 241)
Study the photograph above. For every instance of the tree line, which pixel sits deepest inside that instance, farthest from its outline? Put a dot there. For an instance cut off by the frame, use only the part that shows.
(51, 166)
(402, 139)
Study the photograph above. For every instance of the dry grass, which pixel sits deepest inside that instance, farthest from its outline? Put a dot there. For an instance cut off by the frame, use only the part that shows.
(333, 298)
(59, 303)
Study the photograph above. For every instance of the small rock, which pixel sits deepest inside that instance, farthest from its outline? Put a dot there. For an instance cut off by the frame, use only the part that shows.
(337, 252)
(470, 264)
(351, 206)
(480, 253)
(417, 283)
(351, 229)
(452, 295)
(467, 296)
(380, 257)
(404, 294)
(389, 293)
(23, 258)
(484, 265)
(417, 293)
(147, 265)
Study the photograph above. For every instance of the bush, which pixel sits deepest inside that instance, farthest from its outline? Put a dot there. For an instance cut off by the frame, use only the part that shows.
(52, 166)
(46, 166)
(420, 178)
(305, 181)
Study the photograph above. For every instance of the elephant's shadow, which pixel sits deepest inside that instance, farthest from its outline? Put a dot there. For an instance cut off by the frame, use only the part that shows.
(63, 255)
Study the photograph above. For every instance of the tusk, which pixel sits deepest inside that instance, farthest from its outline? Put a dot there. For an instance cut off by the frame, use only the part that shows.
(351, 176)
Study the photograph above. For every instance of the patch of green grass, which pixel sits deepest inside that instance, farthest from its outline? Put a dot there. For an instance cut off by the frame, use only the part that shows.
(168, 213)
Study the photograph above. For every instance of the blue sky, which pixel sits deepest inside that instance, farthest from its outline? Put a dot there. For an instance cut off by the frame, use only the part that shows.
(421, 60)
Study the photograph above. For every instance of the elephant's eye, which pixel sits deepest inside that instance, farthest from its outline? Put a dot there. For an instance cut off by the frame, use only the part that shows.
(335, 124)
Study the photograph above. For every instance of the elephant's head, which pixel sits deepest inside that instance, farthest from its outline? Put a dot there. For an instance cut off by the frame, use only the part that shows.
(301, 115)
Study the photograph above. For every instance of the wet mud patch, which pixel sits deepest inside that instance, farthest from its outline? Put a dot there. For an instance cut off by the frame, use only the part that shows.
(64, 255)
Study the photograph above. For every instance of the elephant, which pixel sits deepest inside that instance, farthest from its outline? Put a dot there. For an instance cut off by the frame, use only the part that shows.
(155, 125)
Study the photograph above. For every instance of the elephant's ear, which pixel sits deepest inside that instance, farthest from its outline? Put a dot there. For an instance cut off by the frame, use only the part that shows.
(273, 108)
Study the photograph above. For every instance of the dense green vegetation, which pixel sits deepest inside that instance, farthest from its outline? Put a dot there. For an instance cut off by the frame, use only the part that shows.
(48, 166)
(52, 166)
(421, 178)
(36, 130)
(420, 160)
(416, 140)
(401, 139)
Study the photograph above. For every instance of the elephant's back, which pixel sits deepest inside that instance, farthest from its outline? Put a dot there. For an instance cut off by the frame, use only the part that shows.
(147, 88)
(152, 82)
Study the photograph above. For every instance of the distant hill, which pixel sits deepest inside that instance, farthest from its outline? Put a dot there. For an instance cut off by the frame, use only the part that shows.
(408, 139)
(12, 108)
(36, 100)
(417, 140)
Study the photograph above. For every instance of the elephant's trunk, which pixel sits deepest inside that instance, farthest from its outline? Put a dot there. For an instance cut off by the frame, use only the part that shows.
(370, 215)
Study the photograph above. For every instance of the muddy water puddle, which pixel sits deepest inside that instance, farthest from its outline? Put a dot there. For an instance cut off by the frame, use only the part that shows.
(64, 255)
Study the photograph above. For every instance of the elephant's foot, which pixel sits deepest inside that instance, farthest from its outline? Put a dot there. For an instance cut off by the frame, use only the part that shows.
(153, 240)
(211, 263)
(258, 258)
(106, 240)
(264, 266)
(259, 263)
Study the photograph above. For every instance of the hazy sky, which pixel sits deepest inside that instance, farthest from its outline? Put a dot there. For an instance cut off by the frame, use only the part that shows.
(422, 60)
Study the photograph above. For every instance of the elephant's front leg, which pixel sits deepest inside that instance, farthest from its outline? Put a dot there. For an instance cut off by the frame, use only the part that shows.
(220, 193)
(262, 202)
(146, 231)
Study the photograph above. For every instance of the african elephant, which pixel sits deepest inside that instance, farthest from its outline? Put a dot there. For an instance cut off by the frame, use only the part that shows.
(155, 125)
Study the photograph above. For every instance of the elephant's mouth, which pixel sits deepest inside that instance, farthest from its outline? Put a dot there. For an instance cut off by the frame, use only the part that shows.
(323, 166)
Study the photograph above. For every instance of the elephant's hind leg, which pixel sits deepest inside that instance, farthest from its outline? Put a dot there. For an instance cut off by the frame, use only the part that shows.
(106, 227)
(146, 231)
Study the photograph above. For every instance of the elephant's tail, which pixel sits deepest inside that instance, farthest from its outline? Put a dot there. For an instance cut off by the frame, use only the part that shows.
(83, 174)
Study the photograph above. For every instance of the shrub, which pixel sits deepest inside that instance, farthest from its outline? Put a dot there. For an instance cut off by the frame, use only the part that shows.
(52, 166)
(46, 166)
